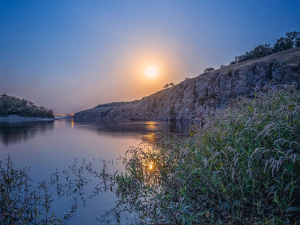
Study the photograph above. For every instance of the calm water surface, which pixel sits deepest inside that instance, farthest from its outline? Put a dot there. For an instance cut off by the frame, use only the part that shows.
(48, 146)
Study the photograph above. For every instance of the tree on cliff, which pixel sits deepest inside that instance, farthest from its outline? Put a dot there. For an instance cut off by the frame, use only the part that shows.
(282, 44)
(169, 85)
(206, 70)
(297, 44)
(293, 36)
(291, 39)
(261, 51)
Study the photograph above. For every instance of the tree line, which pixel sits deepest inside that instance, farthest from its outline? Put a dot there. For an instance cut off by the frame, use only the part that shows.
(291, 39)
(10, 105)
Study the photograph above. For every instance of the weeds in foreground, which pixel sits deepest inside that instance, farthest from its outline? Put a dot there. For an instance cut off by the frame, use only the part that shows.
(20, 202)
(242, 168)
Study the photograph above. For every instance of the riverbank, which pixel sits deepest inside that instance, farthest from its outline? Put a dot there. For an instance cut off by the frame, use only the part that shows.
(242, 167)
(18, 119)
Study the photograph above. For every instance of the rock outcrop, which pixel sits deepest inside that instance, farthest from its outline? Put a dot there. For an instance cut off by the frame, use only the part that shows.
(201, 95)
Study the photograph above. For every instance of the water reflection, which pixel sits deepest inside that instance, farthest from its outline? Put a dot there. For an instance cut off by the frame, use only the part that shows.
(11, 133)
(144, 129)
(44, 151)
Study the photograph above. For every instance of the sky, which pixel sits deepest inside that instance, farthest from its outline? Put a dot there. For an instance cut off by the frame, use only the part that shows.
(70, 55)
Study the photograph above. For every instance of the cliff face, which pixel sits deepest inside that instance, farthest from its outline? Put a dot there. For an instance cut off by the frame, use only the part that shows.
(201, 95)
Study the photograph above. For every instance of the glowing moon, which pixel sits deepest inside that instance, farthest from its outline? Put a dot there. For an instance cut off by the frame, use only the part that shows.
(151, 71)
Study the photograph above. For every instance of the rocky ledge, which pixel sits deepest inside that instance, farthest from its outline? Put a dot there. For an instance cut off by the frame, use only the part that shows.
(195, 97)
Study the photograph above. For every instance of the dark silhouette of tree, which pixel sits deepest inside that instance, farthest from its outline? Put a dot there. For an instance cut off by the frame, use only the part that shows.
(10, 105)
(257, 52)
(206, 70)
(261, 51)
(282, 44)
(169, 85)
(292, 39)
(297, 44)
(292, 35)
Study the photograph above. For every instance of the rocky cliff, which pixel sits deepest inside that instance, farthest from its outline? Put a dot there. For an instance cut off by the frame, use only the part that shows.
(201, 95)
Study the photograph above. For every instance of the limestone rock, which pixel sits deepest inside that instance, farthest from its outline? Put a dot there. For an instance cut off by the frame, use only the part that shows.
(205, 93)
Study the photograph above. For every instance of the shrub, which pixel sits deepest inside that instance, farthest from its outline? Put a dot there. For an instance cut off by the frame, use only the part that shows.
(242, 168)
(20, 203)
(206, 70)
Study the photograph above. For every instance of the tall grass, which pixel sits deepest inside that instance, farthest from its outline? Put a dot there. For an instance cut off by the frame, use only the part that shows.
(243, 167)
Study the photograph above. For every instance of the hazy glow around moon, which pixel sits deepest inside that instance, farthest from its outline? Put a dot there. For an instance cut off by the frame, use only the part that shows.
(151, 71)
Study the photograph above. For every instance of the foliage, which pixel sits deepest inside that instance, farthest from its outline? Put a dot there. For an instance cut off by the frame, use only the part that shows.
(112, 104)
(292, 39)
(242, 168)
(257, 52)
(206, 70)
(169, 85)
(297, 43)
(282, 44)
(12, 105)
(20, 203)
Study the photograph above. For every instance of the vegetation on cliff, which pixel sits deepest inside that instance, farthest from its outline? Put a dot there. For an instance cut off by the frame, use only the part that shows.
(10, 105)
(291, 40)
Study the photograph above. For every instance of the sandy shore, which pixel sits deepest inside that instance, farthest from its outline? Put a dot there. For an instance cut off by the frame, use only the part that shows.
(16, 119)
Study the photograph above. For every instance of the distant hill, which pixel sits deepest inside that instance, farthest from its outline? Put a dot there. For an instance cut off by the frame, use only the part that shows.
(10, 105)
(195, 97)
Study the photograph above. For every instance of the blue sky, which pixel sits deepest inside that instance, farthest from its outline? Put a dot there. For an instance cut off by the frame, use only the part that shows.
(71, 55)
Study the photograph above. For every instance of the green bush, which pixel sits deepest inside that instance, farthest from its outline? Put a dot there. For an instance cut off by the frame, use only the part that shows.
(243, 167)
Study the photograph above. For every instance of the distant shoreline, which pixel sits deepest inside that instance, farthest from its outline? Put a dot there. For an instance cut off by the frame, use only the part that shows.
(16, 119)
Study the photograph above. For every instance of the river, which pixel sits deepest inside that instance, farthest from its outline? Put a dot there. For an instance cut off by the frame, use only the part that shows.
(47, 146)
